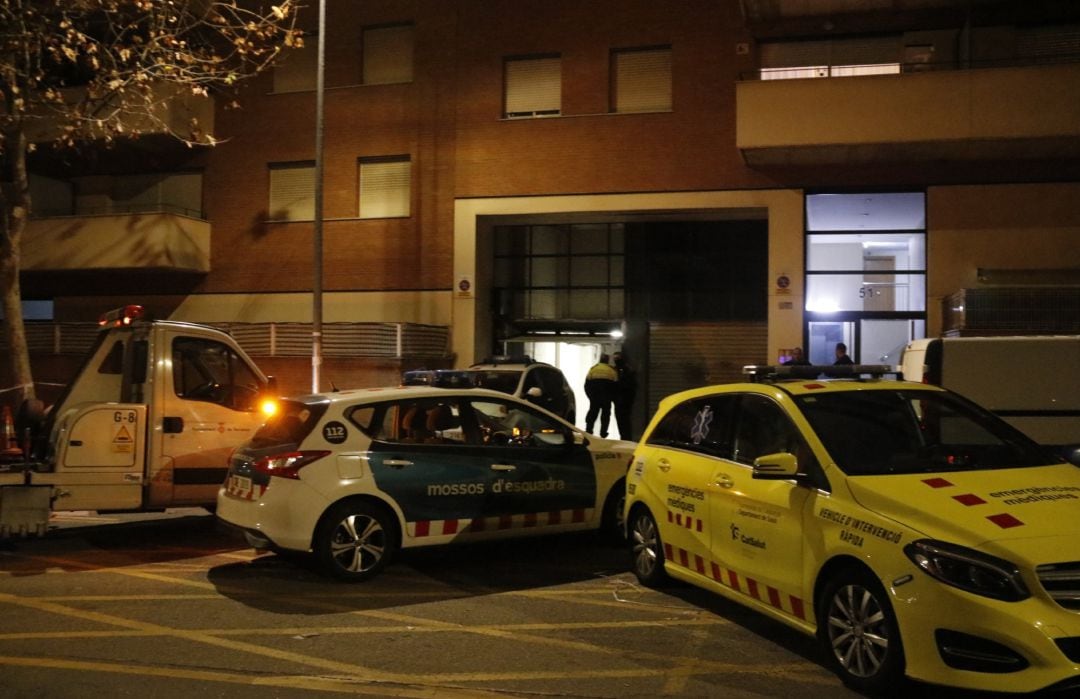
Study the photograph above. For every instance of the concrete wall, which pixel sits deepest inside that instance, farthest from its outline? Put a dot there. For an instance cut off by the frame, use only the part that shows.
(1011, 227)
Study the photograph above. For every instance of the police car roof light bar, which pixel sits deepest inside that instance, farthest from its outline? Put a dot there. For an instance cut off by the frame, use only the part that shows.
(508, 359)
(759, 373)
(439, 378)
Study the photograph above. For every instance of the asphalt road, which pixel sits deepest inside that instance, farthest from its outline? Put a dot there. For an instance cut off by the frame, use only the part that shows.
(169, 606)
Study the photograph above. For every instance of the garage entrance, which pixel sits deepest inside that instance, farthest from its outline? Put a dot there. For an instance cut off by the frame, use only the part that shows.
(685, 300)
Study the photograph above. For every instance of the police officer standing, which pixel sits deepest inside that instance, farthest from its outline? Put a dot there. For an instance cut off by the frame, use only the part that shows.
(600, 389)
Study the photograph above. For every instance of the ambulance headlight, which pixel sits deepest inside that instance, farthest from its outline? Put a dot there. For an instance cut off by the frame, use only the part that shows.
(970, 570)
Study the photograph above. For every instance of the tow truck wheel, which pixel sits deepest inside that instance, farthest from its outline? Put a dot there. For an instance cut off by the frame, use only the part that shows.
(646, 548)
(858, 632)
(355, 540)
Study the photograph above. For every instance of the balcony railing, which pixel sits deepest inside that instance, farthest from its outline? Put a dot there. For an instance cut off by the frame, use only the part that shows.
(154, 240)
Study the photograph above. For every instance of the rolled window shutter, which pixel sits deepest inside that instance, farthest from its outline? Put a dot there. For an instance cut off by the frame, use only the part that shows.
(643, 80)
(388, 55)
(533, 86)
(297, 69)
(384, 187)
(292, 192)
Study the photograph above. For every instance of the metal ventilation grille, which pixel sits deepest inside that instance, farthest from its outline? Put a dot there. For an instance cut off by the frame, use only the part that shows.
(342, 339)
(59, 338)
(274, 339)
(1010, 310)
(1062, 582)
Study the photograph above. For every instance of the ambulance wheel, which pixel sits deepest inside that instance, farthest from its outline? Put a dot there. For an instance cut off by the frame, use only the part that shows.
(857, 629)
(646, 549)
(355, 540)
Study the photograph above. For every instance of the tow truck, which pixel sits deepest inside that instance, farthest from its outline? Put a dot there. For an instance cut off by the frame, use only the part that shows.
(148, 423)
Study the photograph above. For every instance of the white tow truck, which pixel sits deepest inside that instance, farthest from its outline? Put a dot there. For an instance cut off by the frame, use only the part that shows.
(148, 423)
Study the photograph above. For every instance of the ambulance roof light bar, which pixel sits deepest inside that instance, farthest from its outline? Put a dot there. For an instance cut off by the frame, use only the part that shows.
(120, 317)
(760, 373)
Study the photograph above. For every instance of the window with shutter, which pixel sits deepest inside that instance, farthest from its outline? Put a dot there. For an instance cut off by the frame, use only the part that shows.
(642, 80)
(292, 192)
(783, 60)
(385, 190)
(388, 54)
(296, 71)
(533, 87)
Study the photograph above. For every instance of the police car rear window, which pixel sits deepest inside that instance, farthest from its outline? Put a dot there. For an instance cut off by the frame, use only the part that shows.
(292, 422)
(504, 381)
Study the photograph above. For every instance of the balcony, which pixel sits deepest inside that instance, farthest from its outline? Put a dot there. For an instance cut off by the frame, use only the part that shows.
(1002, 113)
(171, 110)
(146, 241)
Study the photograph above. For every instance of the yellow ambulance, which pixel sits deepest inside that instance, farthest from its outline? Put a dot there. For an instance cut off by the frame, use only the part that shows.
(913, 532)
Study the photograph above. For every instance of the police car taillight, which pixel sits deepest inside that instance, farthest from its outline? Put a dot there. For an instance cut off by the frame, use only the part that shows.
(121, 316)
(288, 464)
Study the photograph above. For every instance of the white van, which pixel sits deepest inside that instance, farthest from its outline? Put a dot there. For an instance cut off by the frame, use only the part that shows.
(1032, 382)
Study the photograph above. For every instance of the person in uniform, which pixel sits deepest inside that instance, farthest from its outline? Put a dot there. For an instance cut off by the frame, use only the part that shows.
(600, 389)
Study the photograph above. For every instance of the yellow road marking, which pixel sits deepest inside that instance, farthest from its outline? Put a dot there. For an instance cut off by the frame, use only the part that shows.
(368, 630)
(682, 665)
(350, 685)
(199, 637)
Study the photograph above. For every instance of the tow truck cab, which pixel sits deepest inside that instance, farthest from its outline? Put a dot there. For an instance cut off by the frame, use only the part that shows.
(148, 422)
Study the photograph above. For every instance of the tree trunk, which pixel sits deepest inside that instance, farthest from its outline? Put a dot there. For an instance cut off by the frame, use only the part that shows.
(15, 203)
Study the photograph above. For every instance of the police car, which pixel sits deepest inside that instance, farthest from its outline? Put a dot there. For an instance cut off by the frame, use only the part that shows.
(910, 530)
(355, 475)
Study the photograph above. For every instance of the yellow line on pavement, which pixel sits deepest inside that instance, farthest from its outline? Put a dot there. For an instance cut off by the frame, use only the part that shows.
(345, 685)
(656, 663)
(314, 631)
(199, 637)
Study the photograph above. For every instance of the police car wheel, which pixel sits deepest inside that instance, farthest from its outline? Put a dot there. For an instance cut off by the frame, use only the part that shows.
(356, 540)
(859, 634)
(611, 521)
(647, 549)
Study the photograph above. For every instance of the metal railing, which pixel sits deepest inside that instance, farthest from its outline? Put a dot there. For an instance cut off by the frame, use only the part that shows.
(360, 340)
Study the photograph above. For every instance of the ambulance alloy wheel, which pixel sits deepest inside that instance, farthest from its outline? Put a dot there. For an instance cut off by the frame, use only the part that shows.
(647, 549)
(355, 540)
(858, 632)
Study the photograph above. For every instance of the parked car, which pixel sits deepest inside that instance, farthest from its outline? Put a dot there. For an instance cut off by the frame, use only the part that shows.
(537, 382)
(912, 531)
(353, 476)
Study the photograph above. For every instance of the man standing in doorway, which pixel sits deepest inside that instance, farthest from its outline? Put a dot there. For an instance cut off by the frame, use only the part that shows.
(842, 355)
(600, 389)
(625, 390)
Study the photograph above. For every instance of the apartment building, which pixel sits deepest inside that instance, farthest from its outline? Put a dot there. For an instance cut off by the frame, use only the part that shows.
(702, 183)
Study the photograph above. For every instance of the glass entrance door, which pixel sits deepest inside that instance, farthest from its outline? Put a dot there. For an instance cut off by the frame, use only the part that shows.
(823, 338)
(869, 341)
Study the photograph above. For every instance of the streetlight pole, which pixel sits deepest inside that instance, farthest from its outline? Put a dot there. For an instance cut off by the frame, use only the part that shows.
(317, 230)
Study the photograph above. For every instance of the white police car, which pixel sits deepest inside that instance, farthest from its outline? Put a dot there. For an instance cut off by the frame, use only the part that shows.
(354, 475)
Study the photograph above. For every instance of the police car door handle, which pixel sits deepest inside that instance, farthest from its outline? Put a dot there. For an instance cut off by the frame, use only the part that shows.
(397, 463)
(724, 481)
(503, 467)
(664, 465)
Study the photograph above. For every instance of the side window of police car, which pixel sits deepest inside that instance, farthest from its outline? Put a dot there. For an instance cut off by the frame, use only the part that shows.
(764, 428)
(510, 424)
(702, 425)
(422, 421)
